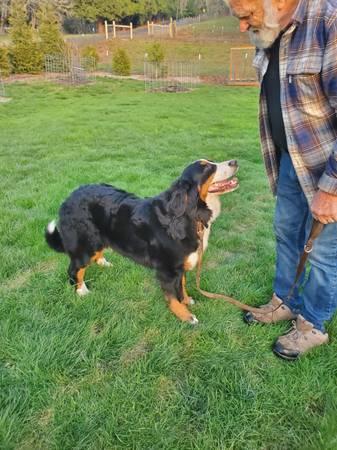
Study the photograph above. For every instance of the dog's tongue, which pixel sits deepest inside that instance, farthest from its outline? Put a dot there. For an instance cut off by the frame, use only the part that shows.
(223, 186)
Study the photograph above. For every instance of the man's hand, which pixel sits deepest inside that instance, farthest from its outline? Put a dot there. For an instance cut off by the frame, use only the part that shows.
(324, 207)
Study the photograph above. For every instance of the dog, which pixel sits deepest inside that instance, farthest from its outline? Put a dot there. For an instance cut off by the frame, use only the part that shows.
(159, 232)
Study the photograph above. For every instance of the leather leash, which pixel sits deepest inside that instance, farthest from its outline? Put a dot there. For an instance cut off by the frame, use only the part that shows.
(316, 229)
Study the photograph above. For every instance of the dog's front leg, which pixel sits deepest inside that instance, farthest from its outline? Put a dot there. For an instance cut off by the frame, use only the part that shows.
(187, 299)
(174, 290)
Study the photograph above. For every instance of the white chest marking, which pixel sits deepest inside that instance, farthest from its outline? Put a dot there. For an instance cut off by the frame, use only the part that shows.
(192, 260)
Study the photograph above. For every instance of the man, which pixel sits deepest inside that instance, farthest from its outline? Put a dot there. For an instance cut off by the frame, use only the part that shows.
(296, 61)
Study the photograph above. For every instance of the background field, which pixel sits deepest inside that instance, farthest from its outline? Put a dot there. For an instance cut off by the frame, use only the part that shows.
(116, 370)
(212, 39)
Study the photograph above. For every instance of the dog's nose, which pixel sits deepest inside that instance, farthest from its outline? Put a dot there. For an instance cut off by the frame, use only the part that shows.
(233, 163)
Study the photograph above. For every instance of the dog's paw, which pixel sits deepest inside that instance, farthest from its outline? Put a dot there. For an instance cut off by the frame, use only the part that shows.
(82, 291)
(103, 262)
(193, 320)
(188, 301)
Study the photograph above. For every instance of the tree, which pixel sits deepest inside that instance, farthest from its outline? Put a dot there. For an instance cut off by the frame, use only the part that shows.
(24, 51)
(106, 9)
(51, 40)
(4, 13)
(155, 53)
(121, 64)
(32, 7)
(194, 7)
(5, 67)
(216, 7)
(64, 7)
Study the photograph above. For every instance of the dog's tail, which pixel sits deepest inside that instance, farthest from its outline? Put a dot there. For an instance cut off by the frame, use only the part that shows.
(53, 237)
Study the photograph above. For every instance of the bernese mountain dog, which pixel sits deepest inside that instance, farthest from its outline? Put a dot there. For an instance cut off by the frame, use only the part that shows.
(160, 232)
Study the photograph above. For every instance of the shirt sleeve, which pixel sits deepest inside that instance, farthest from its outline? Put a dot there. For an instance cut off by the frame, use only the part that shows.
(328, 181)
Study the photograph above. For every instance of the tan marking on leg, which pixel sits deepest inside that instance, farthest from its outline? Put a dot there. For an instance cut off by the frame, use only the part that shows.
(99, 259)
(81, 288)
(80, 278)
(187, 299)
(97, 256)
(180, 310)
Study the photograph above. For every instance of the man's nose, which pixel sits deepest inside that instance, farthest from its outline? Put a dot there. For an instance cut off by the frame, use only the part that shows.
(244, 26)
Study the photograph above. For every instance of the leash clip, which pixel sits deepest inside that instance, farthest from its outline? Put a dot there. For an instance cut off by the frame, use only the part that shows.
(308, 247)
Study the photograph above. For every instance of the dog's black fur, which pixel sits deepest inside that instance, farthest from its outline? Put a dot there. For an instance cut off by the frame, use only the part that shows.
(158, 232)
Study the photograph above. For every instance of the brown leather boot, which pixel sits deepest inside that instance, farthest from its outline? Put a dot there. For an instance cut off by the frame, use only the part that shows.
(301, 338)
(281, 312)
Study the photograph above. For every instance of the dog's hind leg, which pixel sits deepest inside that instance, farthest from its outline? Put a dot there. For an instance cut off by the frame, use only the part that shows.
(172, 286)
(76, 274)
(100, 260)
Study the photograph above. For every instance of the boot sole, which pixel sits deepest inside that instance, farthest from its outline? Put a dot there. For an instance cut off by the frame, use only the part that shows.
(286, 357)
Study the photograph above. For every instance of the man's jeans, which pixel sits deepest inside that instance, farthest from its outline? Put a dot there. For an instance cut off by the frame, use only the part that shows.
(316, 296)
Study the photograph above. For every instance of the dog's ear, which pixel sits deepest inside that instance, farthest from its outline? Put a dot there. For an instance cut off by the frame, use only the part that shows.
(198, 209)
(171, 211)
(177, 204)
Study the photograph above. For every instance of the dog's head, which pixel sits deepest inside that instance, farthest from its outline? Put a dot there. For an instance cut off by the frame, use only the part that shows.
(211, 178)
(186, 199)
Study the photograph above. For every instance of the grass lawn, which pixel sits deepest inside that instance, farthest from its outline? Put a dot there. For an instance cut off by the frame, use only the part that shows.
(116, 370)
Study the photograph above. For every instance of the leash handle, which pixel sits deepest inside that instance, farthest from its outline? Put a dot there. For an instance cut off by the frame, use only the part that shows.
(316, 229)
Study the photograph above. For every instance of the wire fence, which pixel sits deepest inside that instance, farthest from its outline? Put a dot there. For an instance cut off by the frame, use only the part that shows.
(3, 95)
(241, 65)
(70, 69)
(171, 76)
(2, 87)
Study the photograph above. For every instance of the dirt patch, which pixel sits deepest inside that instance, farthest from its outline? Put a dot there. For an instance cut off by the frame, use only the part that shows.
(24, 78)
(136, 352)
(22, 278)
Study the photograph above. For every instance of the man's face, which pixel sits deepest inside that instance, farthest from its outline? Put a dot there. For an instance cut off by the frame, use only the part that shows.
(259, 18)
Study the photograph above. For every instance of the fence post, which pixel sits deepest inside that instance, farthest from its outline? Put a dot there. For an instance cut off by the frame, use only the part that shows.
(131, 31)
(175, 29)
(171, 28)
(114, 29)
(106, 30)
(148, 28)
(152, 28)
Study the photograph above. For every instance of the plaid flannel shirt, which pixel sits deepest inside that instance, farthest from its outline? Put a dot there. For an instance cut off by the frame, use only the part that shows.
(308, 85)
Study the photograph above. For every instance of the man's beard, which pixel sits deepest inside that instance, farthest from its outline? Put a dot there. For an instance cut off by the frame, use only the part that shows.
(265, 36)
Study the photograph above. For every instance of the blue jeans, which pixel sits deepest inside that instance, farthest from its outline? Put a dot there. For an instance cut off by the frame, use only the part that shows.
(316, 295)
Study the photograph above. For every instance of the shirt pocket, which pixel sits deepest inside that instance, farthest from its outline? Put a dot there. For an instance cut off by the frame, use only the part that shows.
(304, 85)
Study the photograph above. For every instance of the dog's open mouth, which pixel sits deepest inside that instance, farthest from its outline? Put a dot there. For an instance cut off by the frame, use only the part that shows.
(224, 186)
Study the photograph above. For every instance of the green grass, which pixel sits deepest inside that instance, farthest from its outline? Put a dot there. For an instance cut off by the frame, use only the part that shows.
(116, 370)
(216, 27)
